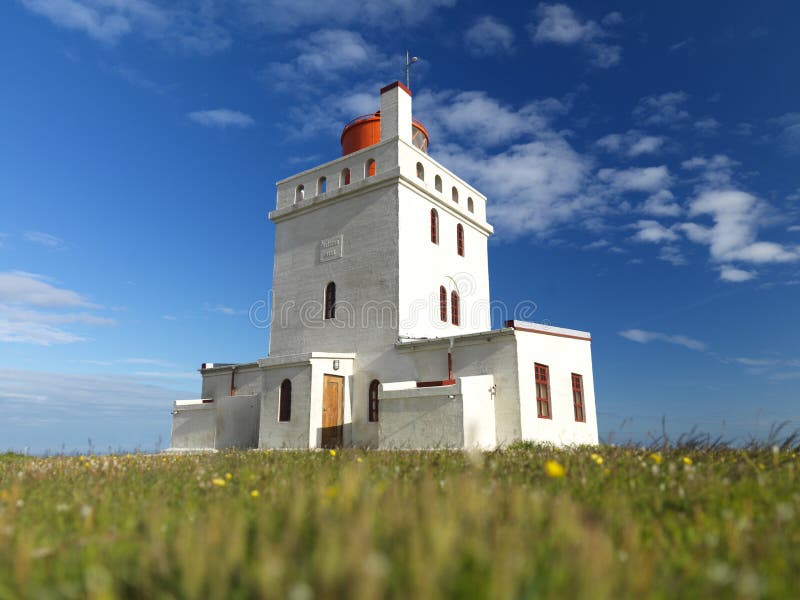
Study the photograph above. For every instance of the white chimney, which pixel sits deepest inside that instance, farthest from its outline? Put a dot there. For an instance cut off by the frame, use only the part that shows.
(396, 112)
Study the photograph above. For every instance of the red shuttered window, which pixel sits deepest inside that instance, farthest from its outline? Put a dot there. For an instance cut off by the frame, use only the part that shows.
(577, 398)
(542, 376)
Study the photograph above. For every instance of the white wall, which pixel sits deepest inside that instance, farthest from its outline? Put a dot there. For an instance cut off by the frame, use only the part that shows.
(236, 421)
(563, 356)
(293, 433)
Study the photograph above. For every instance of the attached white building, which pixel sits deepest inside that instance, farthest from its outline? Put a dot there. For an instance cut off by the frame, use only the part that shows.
(380, 333)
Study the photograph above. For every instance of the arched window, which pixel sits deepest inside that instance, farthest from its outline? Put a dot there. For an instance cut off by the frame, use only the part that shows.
(455, 195)
(442, 303)
(322, 185)
(369, 168)
(460, 239)
(470, 205)
(345, 177)
(330, 301)
(434, 226)
(285, 401)
(420, 171)
(454, 308)
(373, 400)
(437, 183)
(299, 193)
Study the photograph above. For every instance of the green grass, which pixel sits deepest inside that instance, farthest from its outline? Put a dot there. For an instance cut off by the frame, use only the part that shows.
(619, 523)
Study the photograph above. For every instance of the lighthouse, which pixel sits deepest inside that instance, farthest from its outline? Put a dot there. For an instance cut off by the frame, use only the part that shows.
(380, 328)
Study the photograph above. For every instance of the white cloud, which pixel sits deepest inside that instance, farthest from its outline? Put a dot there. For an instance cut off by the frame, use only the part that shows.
(788, 136)
(489, 37)
(715, 172)
(287, 15)
(558, 24)
(665, 110)
(43, 410)
(28, 311)
(707, 125)
(222, 118)
(463, 116)
(661, 204)
(733, 235)
(19, 287)
(187, 26)
(632, 143)
(732, 274)
(645, 337)
(672, 255)
(635, 179)
(653, 232)
(45, 239)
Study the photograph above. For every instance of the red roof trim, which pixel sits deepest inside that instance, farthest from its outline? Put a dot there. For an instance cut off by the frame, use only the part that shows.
(516, 327)
(391, 86)
(435, 383)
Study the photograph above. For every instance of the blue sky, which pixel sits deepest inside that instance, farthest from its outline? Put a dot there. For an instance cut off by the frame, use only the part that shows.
(640, 160)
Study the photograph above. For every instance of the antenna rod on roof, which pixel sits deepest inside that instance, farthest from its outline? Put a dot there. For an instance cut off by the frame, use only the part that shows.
(409, 61)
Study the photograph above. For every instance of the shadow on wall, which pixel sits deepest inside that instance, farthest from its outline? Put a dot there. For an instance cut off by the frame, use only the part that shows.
(334, 437)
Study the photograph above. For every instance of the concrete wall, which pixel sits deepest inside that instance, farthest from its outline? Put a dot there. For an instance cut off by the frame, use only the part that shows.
(236, 421)
(193, 427)
(293, 433)
(422, 418)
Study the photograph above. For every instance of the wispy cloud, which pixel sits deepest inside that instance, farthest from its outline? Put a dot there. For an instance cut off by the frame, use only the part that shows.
(489, 36)
(632, 143)
(31, 311)
(559, 24)
(636, 179)
(20, 287)
(193, 28)
(664, 110)
(44, 239)
(734, 275)
(645, 337)
(222, 118)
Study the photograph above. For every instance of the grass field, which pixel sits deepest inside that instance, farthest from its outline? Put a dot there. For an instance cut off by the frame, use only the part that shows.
(528, 521)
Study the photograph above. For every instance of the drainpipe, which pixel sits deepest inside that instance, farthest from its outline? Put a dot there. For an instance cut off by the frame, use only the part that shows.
(233, 375)
(450, 361)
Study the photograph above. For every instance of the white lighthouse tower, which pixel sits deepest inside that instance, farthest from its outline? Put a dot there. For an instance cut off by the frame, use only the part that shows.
(380, 333)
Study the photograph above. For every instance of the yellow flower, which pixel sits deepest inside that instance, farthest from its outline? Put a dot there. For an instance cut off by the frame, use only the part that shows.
(687, 460)
(607, 471)
(332, 452)
(218, 481)
(254, 494)
(656, 458)
(597, 458)
(228, 476)
(554, 469)
(359, 459)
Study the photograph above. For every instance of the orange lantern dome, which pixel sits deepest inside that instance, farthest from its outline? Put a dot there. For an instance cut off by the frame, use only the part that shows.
(365, 131)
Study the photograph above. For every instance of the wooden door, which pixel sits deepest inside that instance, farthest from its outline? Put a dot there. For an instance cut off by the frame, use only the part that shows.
(332, 411)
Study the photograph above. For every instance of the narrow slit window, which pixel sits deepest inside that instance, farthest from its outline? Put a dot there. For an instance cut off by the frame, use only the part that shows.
(373, 400)
(577, 398)
(330, 301)
(369, 168)
(470, 205)
(455, 309)
(443, 303)
(460, 239)
(542, 377)
(285, 402)
(434, 226)
(345, 177)
(322, 185)
(299, 193)
(420, 171)
(437, 183)
(455, 195)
